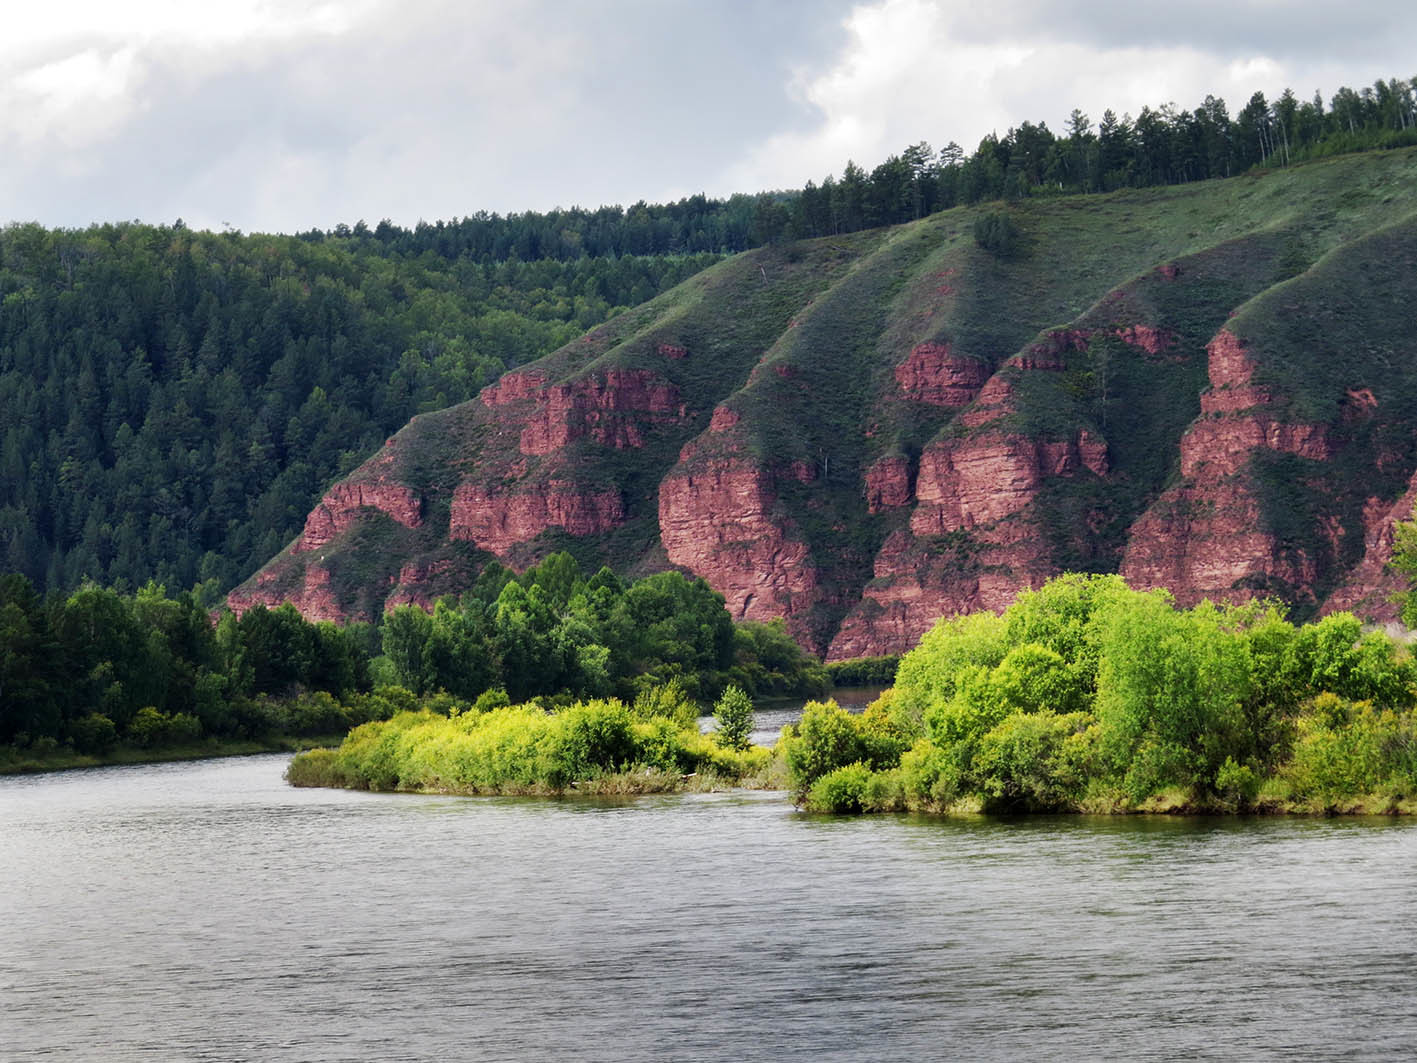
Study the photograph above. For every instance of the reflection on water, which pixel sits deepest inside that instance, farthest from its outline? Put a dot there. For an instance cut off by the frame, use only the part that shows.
(207, 911)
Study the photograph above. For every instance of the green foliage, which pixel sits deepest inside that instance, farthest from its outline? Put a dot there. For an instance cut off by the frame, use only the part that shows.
(772, 663)
(93, 733)
(149, 728)
(1345, 749)
(840, 790)
(1237, 783)
(1033, 761)
(828, 737)
(997, 233)
(1404, 563)
(1171, 687)
(521, 749)
(864, 671)
(100, 670)
(734, 714)
(929, 675)
(177, 401)
(1086, 695)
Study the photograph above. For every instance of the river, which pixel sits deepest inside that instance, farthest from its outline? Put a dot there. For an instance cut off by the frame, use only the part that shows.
(207, 911)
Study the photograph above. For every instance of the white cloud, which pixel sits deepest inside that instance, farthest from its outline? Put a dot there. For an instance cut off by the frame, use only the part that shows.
(931, 70)
(287, 114)
(77, 81)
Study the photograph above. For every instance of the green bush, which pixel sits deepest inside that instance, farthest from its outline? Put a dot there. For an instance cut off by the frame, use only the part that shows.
(1344, 750)
(590, 738)
(840, 790)
(1237, 784)
(931, 776)
(997, 233)
(826, 738)
(151, 729)
(666, 700)
(496, 698)
(734, 714)
(1025, 762)
(93, 733)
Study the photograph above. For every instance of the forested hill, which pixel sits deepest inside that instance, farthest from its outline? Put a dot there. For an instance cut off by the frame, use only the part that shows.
(172, 403)
(175, 401)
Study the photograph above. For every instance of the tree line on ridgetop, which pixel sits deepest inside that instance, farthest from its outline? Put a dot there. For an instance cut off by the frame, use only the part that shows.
(1161, 145)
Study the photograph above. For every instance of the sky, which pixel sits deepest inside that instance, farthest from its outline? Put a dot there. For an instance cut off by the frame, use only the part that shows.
(286, 115)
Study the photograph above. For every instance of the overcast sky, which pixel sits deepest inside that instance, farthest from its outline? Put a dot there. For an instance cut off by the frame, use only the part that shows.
(282, 115)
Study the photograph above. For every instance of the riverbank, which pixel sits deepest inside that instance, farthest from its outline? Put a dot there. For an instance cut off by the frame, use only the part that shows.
(31, 761)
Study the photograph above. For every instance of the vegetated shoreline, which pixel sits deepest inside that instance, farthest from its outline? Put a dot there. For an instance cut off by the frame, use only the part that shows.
(30, 762)
(1085, 696)
(647, 782)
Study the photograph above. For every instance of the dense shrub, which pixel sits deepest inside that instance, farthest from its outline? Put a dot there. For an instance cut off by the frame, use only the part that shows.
(1088, 695)
(522, 749)
(734, 714)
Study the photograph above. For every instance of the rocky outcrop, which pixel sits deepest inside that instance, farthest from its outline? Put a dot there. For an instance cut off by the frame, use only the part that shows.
(934, 374)
(314, 596)
(972, 543)
(1206, 537)
(1371, 587)
(615, 407)
(890, 483)
(913, 587)
(716, 519)
(496, 521)
(863, 434)
(341, 508)
(983, 479)
(416, 582)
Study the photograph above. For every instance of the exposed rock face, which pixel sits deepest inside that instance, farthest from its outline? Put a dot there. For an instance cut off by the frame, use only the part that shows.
(341, 507)
(498, 521)
(412, 584)
(820, 473)
(912, 590)
(890, 483)
(1206, 538)
(1207, 541)
(1371, 585)
(934, 374)
(615, 407)
(986, 478)
(716, 519)
(723, 419)
(983, 487)
(315, 597)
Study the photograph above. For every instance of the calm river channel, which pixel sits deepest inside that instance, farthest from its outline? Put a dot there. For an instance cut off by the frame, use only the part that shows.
(207, 911)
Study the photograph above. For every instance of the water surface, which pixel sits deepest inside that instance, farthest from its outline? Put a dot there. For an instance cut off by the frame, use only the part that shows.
(206, 911)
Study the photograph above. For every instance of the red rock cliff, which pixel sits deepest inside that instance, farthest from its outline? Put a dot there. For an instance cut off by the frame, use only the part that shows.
(342, 505)
(716, 519)
(1205, 537)
(496, 521)
(934, 374)
(615, 407)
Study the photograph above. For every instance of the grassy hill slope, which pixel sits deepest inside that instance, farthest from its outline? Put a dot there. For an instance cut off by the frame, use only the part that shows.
(862, 432)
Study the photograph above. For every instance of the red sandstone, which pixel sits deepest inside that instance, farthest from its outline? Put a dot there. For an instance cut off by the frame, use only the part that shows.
(340, 508)
(497, 521)
(934, 375)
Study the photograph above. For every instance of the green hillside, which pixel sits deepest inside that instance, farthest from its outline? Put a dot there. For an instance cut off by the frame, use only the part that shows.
(803, 342)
